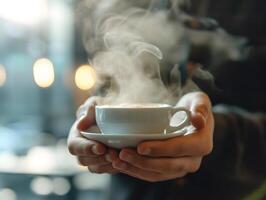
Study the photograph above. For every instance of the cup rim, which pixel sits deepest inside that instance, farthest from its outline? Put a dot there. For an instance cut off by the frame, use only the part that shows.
(152, 106)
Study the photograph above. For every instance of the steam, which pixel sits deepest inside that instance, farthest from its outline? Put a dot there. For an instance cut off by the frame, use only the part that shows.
(129, 45)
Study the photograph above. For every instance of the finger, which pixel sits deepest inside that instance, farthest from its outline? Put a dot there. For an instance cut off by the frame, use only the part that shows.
(197, 144)
(103, 169)
(91, 161)
(176, 166)
(137, 172)
(87, 120)
(111, 155)
(200, 106)
(81, 146)
(83, 109)
(199, 114)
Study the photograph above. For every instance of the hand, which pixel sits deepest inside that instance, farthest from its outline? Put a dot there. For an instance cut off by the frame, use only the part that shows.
(90, 153)
(173, 158)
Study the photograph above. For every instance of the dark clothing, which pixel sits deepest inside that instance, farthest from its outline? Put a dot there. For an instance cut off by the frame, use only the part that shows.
(241, 83)
(236, 169)
(238, 17)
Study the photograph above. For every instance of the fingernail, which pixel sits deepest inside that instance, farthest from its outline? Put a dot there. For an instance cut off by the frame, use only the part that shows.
(145, 151)
(95, 150)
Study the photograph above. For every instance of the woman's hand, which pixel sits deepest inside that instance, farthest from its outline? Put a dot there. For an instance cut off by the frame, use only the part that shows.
(173, 158)
(90, 153)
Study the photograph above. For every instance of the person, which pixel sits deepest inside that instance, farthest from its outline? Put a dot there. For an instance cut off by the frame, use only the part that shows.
(184, 167)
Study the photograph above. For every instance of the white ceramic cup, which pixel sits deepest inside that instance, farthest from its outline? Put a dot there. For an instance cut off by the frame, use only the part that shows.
(139, 119)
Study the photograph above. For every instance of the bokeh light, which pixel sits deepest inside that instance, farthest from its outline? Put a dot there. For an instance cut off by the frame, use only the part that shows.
(35, 164)
(7, 194)
(43, 73)
(8, 160)
(89, 181)
(2, 75)
(61, 186)
(28, 12)
(85, 77)
(42, 185)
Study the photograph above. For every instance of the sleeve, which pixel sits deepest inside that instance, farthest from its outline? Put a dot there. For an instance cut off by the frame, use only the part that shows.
(240, 142)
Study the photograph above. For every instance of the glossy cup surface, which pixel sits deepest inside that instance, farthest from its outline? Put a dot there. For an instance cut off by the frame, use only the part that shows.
(134, 119)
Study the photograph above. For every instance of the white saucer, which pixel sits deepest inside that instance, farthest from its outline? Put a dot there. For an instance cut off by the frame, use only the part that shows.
(127, 140)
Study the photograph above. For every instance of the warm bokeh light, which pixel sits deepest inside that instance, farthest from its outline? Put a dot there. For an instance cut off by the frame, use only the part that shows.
(61, 186)
(99, 181)
(2, 75)
(42, 185)
(43, 73)
(28, 12)
(35, 164)
(8, 194)
(85, 77)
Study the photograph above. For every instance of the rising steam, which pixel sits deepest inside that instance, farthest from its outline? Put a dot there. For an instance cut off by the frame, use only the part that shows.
(129, 43)
(129, 46)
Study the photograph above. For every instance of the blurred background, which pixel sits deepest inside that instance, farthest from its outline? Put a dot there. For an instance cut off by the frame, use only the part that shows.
(43, 71)
(45, 76)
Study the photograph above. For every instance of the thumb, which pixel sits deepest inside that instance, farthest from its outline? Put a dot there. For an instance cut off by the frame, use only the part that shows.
(199, 115)
(88, 119)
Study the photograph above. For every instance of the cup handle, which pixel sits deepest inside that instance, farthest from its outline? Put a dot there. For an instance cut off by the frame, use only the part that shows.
(184, 123)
